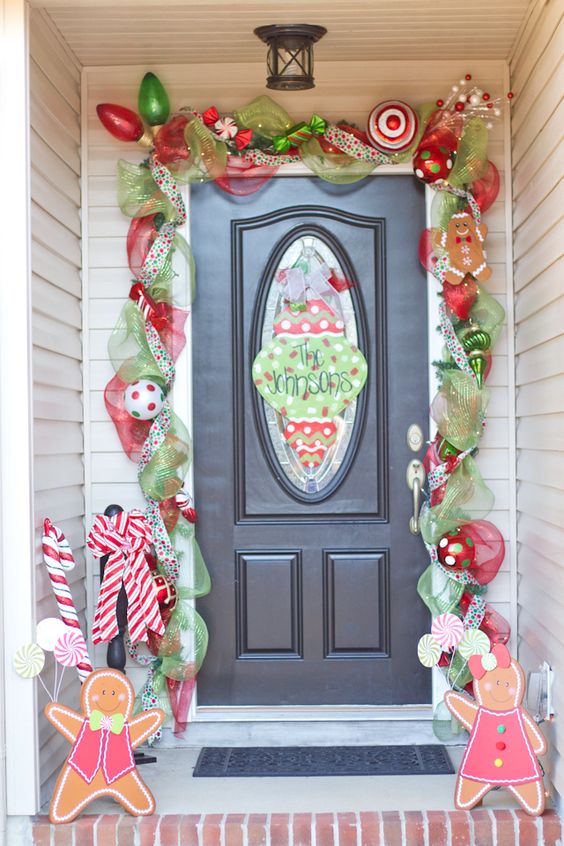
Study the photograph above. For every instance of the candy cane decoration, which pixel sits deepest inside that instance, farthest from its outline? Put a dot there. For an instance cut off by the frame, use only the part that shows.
(58, 557)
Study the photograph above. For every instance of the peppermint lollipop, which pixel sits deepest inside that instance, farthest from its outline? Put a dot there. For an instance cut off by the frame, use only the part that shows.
(473, 642)
(29, 660)
(447, 629)
(428, 650)
(70, 649)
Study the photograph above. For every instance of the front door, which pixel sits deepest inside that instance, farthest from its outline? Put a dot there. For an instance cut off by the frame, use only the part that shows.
(313, 567)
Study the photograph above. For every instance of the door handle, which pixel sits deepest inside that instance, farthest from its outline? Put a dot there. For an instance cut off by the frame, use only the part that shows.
(415, 480)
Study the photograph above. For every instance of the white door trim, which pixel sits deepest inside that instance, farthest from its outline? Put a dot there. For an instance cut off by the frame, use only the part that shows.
(183, 401)
(17, 580)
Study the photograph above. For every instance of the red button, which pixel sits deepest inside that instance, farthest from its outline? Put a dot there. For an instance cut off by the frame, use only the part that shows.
(500, 745)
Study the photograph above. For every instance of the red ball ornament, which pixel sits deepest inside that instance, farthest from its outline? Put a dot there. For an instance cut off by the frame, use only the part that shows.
(433, 162)
(468, 77)
(166, 592)
(489, 106)
(510, 95)
(456, 550)
(440, 103)
(485, 96)
(120, 122)
(459, 106)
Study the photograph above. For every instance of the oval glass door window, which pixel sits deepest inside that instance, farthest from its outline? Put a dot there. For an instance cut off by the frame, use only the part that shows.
(309, 370)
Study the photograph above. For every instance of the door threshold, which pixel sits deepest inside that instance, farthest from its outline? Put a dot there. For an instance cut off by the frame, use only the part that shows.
(308, 713)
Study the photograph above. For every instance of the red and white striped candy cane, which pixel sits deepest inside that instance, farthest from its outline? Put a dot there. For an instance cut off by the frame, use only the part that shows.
(58, 557)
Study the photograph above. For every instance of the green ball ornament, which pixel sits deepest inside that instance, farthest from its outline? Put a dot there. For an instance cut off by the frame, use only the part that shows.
(476, 340)
(153, 102)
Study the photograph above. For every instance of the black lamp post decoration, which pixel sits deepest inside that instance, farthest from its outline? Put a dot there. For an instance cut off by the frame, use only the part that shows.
(290, 54)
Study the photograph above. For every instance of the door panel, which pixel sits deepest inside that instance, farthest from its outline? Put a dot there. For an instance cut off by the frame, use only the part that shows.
(314, 591)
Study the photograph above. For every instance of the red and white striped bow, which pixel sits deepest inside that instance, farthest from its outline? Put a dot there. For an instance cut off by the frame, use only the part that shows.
(126, 538)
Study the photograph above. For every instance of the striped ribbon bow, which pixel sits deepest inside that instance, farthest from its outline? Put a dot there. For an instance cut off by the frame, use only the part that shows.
(125, 538)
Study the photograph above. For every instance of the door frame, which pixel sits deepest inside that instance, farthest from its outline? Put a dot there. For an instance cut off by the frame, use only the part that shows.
(183, 401)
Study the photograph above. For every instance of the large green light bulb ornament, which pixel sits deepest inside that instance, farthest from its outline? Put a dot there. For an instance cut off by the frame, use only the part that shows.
(153, 103)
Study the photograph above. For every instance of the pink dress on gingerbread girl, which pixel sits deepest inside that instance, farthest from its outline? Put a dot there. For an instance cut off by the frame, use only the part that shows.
(504, 739)
(101, 760)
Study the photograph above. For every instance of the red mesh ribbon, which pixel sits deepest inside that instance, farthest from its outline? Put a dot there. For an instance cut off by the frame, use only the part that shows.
(131, 432)
(140, 236)
(180, 696)
(486, 189)
(242, 177)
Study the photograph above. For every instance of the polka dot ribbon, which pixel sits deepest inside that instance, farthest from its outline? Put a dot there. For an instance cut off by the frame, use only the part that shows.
(453, 345)
(354, 147)
(460, 192)
(477, 608)
(439, 475)
(162, 244)
(259, 157)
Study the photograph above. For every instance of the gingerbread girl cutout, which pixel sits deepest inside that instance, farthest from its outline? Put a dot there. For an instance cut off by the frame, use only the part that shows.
(101, 760)
(463, 242)
(504, 739)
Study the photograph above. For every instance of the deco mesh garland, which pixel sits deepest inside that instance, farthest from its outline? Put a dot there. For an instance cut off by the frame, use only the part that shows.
(240, 152)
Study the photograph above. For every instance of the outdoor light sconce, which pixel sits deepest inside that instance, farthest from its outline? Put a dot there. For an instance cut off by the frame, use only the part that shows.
(290, 54)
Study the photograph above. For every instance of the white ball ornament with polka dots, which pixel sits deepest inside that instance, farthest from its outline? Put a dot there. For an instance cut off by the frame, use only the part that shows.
(144, 400)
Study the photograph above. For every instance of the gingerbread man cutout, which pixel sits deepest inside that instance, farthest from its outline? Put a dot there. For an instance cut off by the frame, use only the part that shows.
(463, 241)
(504, 739)
(101, 760)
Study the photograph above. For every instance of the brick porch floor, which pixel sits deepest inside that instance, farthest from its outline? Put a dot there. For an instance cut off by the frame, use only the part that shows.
(388, 828)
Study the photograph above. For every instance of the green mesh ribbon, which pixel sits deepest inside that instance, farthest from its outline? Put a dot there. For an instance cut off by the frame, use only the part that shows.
(472, 156)
(459, 409)
(467, 498)
(138, 195)
(264, 116)
(337, 168)
(208, 156)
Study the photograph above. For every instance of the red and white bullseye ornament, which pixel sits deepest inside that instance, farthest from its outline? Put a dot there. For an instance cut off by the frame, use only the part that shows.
(144, 399)
(392, 126)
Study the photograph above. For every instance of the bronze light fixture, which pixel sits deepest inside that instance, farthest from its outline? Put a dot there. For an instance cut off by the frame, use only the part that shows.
(290, 54)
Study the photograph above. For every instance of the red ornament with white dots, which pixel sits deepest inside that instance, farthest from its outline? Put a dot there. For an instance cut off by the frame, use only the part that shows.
(433, 162)
(144, 400)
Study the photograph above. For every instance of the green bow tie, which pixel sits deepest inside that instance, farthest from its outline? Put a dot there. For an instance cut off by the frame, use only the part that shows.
(98, 720)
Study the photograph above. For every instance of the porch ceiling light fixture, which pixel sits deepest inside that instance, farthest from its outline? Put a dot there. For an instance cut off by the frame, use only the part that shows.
(290, 54)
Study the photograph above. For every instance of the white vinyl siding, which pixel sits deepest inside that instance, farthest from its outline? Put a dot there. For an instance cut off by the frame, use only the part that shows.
(56, 336)
(537, 77)
(349, 89)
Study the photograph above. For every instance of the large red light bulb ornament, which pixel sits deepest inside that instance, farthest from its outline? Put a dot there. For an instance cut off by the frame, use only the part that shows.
(120, 122)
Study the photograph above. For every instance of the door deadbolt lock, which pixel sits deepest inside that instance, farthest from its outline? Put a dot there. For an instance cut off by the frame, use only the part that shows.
(415, 477)
(415, 438)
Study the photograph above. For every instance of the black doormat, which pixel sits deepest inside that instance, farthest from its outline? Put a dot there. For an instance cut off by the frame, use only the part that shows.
(261, 761)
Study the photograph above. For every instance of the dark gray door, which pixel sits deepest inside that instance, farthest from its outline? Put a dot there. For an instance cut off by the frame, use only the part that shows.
(314, 583)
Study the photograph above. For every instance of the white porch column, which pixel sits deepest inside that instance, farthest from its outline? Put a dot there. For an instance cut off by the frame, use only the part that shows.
(17, 589)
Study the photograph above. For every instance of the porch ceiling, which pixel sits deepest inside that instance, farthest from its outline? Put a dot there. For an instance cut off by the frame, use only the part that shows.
(131, 32)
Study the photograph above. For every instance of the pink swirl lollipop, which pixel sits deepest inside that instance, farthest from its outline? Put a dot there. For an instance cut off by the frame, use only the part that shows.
(70, 648)
(447, 629)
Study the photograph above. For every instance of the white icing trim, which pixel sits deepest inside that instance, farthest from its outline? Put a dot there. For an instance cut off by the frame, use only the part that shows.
(534, 810)
(471, 802)
(61, 709)
(157, 720)
(110, 791)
